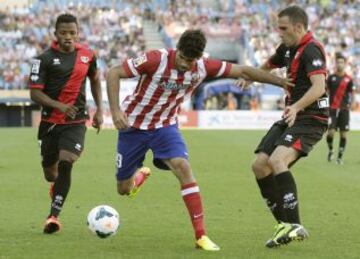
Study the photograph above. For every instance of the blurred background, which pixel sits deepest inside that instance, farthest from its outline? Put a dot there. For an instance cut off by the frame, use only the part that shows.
(238, 31)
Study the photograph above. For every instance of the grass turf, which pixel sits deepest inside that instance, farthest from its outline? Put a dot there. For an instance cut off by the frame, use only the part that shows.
(155, 224)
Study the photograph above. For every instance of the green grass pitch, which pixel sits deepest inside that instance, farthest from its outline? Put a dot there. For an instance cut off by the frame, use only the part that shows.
(155, 224)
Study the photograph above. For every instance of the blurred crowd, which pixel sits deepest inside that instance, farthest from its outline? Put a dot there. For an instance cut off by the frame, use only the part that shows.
(117, 33)
(113, 35)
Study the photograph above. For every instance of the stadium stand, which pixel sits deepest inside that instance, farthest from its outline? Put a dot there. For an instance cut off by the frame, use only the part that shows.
(238, 31)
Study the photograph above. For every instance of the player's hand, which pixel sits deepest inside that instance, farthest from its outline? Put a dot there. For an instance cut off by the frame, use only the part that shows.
(287, 83)
(98, 120)
(68, 109)
(120, 120)
(243, 83)
(290, 115)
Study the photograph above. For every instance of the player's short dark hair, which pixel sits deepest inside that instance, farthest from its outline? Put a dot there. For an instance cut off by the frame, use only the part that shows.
(296, 15)
(339, 55)
(192, 43)
(65, 18)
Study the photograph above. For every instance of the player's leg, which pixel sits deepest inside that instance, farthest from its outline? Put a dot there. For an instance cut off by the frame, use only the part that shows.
(280, 160)
(342, 145)
(331, 133)
(191, 195)
(71, 142)
(264, 173)
(344, 119)
(131, 150)
(296, 142)
(48, 141)
(268, 186)
(170, 152)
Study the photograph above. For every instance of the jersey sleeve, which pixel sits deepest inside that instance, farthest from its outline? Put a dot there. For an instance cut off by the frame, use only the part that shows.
(38, 73)
(216, 68)
(351, 86)
(314, 61)
(143, 64)
(277, 60)
(93, 66)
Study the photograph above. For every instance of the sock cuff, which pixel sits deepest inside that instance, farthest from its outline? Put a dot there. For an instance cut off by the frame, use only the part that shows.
(189, 189)
(285, 177)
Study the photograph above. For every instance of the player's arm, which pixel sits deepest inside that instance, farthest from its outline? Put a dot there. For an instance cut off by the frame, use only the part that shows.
(38, 96)
(113, 90)
(258, 75)
(353, 104)
(275, 61)
(95, 86)
(37, 83)
(317, 89)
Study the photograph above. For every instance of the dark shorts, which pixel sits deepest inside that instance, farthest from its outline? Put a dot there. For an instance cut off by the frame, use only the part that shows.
(302, 136)
(339, 119)
(133, 144)
(56, 137)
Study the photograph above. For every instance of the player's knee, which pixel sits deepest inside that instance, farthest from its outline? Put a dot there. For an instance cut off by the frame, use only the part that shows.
(182, 167)
(50, 173)
(276, 161)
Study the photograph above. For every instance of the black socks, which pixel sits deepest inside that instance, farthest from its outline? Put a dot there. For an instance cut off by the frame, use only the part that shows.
(288, 192)
(61, 187)
(270, 192)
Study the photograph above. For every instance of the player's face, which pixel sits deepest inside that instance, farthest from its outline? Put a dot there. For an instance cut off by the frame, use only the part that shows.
(66, 35)
(287, 31)
(340, 64)
(183, 63)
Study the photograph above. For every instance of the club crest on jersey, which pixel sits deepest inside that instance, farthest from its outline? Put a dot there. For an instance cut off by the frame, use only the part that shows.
(139, 60)
(84, 59)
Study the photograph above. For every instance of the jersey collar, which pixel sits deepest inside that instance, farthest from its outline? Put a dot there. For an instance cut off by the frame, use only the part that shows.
(307, 37)
(55, 45)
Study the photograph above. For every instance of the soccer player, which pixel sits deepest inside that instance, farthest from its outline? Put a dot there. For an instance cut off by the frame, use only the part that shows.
(340, 88)
(303, 124)
(57, 83)
(147, 119)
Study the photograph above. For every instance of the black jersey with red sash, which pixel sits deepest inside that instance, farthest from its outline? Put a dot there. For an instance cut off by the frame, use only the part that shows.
(340, 89)
(62, 76)
(301, 62)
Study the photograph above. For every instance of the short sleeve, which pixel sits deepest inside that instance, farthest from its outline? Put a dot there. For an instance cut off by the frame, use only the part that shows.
(93, 66)
(351, 86)
(277, 60)
(144, 64)
(314, 60)
(216, 68)
(38, 73)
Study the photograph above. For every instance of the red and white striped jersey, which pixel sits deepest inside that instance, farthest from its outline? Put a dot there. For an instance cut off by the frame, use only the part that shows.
(161, 89)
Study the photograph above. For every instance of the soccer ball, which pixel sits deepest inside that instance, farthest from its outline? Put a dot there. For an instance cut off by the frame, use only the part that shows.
(103, 221)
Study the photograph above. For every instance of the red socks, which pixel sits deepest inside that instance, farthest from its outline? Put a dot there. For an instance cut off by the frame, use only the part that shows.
(192, 199)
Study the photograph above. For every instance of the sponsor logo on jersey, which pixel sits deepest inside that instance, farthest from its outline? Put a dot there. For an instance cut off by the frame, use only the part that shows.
(35, 68)
(139, 60)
